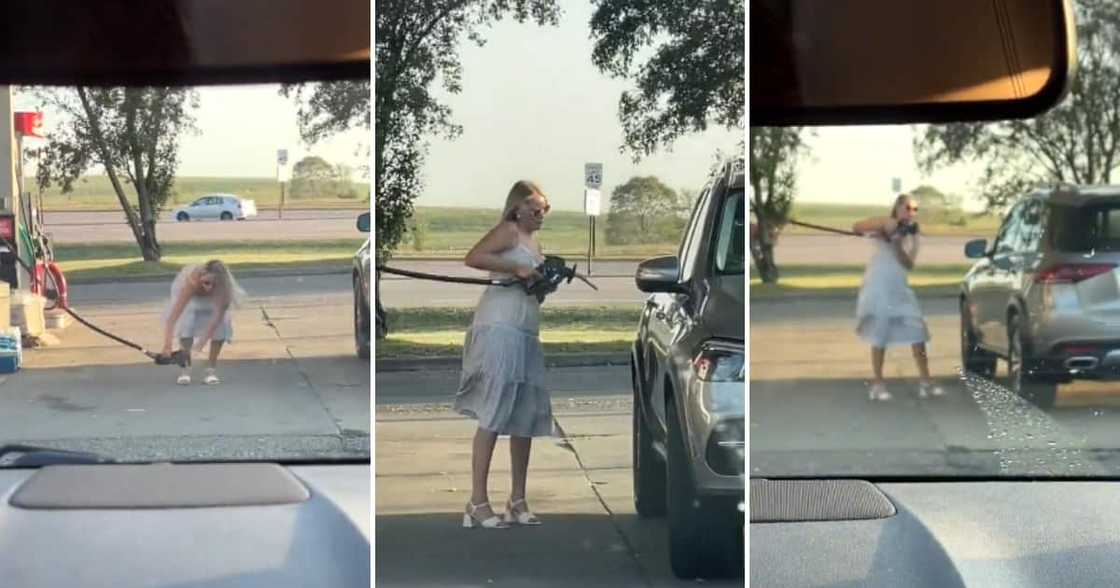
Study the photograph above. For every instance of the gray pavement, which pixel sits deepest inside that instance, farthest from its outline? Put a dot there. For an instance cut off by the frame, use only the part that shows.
(810, 414)
(292, 387)
(581, 489)
(90, 227)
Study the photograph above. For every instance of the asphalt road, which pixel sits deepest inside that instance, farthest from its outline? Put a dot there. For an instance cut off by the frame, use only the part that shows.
(92, 227)
(292, 386)
(810, 414)
(581, 489)
(615, 280)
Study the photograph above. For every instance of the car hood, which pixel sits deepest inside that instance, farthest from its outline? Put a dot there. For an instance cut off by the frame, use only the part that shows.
(724, 311)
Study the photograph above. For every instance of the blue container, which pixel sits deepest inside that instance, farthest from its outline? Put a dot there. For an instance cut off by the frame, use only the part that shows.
(11, 350)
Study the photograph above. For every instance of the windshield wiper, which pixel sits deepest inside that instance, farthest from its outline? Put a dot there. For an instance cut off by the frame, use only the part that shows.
(15, 455)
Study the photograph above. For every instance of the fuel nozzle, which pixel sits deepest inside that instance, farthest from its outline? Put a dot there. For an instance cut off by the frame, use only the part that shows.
(178, 357)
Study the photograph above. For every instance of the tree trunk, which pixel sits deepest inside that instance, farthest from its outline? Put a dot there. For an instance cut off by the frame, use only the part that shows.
(381, 321)
(763, 256)
(762, 252)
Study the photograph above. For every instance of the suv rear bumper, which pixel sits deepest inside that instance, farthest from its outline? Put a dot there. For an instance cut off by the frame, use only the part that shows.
(1079, 365)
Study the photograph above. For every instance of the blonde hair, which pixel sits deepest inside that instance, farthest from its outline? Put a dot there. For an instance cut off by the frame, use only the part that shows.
(903, 197)
(224, 284)
(521, 190)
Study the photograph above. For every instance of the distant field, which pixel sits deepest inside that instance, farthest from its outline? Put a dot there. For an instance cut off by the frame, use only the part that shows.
(455, 230)
(843, 216)
(95, 192)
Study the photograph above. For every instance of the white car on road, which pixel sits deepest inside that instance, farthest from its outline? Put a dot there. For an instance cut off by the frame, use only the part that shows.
(216, 206)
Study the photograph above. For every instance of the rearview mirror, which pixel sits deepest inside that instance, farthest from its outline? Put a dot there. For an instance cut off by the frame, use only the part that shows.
(976, 249)
(363, 222)
(183, 42)
(660, 274)
(893, 61)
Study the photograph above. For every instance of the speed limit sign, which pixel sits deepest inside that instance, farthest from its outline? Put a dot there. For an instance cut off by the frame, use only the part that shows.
(593, 175)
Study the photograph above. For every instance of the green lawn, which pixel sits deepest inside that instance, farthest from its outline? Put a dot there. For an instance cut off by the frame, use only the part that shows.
(108, 260)
(845, 280)
(96, 193)
(439, 331)
(453, 231)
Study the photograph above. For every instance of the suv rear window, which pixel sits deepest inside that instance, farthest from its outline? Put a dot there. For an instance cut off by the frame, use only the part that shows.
(730, 236)
(1087, 228)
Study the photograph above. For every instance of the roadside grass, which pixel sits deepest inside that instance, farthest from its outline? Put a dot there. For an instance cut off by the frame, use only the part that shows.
(439, 331)
(841, 280)
(111, 260)
(96, 193)
(451, 232)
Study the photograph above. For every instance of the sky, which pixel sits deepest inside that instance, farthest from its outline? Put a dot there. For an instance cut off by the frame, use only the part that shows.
(534, 107)
(240, 130)
(855, 165)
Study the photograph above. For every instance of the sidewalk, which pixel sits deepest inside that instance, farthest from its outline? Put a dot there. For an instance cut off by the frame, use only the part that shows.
(580, 485)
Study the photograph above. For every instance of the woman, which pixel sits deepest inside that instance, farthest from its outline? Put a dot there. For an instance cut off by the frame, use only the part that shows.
(887, 311)
(502, 384)
(199, 311)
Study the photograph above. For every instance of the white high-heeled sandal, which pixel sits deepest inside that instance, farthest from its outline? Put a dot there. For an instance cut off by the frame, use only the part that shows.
(520, 517)
(492, 522)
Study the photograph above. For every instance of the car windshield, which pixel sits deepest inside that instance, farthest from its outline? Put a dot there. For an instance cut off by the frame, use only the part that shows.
(158, 264)
(892, 353)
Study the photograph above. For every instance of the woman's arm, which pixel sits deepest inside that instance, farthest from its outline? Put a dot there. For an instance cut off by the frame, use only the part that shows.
(882, 225)
(176, 311)
(904, 253)
(486, 254)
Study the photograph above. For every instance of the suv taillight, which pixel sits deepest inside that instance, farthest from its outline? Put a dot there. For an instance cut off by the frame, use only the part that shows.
(717, 362)
(1072, 273)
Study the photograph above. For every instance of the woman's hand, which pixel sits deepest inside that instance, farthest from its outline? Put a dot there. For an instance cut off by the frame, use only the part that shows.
(526, 274)
(166, 349)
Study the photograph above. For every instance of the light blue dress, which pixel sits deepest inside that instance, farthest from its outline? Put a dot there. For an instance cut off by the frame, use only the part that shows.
(502, 382)
(887, 311)
(198, 313)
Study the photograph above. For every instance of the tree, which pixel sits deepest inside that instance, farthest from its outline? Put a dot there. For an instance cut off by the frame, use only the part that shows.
(693, 76)
(639, 209)
(328, 108)
(774, 155)
(417, 42)
(311, 176)
(130, 133)
(1076, 142)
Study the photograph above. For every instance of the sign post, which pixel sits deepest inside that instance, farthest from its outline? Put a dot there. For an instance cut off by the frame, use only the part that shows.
(282, 177)
(592, 203)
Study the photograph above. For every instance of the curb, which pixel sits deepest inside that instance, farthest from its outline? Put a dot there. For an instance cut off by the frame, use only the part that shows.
(560, 360)
(241, 274)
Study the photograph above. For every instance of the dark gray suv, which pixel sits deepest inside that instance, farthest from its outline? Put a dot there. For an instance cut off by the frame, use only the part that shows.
(1046, 294)
(687, 368)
